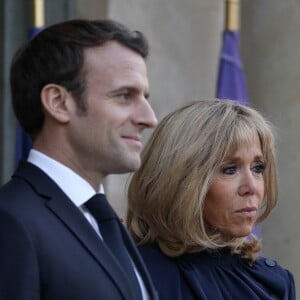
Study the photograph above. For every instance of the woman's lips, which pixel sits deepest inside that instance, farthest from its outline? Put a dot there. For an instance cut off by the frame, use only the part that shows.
(248, 211)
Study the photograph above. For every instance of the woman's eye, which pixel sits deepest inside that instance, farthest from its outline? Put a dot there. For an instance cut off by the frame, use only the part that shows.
(258, 168)
(230, 170)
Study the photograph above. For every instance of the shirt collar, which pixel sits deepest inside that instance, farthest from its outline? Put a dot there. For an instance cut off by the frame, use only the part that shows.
(74, 186)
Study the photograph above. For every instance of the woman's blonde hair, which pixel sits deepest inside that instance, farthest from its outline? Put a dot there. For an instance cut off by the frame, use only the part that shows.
(167, 194)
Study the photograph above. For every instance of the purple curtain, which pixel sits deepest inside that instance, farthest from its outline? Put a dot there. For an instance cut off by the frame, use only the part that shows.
(231, 79)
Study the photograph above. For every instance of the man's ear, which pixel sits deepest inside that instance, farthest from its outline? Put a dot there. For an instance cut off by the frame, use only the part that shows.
(57, 102)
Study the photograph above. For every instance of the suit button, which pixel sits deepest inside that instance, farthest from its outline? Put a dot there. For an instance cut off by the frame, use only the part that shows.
(270, 262)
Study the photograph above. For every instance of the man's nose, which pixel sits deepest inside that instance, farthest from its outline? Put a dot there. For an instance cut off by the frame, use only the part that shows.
(145, 116)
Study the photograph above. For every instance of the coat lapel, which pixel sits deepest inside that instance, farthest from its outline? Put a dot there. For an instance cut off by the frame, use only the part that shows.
(68, 214)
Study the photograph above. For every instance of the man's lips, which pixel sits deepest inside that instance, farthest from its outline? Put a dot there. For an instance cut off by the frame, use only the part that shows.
(133, 139)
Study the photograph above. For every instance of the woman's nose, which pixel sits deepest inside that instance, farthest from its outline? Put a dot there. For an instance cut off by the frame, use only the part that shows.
(248, 184)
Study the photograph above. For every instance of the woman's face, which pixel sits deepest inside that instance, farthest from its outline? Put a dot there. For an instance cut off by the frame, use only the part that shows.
(237, 191)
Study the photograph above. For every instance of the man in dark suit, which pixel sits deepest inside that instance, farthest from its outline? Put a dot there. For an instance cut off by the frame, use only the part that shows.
(79, 90)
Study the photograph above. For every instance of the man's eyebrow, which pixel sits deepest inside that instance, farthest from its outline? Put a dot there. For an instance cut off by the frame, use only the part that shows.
(131, 89)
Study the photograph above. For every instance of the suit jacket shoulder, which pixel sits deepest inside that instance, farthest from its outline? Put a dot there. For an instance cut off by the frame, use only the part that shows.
(47, 247)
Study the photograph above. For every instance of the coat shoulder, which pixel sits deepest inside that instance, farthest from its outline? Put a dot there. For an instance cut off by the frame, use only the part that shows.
(165, 274)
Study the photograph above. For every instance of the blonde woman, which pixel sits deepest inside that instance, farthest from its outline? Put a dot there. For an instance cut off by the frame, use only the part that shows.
(208, 175)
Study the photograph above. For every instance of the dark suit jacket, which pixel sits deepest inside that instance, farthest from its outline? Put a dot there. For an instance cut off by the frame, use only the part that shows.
(48, 250)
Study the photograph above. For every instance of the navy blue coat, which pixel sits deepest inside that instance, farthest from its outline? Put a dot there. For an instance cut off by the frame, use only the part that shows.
(216, 276)
(48, 250)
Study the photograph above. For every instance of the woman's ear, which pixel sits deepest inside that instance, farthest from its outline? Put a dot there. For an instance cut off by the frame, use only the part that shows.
(57, 102)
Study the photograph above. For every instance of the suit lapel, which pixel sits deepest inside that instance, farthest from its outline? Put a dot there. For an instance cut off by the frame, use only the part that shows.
(68, 214)
(82, 230)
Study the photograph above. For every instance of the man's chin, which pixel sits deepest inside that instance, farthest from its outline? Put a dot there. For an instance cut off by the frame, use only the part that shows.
(135, 166)
(131, 165)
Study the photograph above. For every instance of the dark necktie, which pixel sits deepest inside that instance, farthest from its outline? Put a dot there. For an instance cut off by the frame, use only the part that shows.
(109, 225)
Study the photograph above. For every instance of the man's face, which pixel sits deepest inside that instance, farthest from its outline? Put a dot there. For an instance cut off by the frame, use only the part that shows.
(107, 138)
